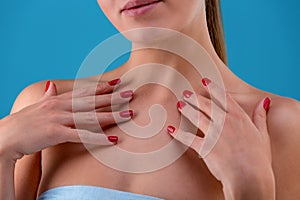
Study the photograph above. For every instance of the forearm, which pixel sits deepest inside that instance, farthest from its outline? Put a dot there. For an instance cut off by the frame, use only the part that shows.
(7, 165)
(24, 171)
(7, 191)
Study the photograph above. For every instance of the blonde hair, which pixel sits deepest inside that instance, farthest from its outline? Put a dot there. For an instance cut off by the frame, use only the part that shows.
(215, 27)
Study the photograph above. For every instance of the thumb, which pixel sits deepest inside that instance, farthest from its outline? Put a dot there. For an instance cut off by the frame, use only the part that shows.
(50, 89)
(259, 116)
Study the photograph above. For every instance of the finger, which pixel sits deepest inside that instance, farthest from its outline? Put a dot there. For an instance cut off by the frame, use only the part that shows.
(92, 119)
(259, 116)
(110, 118)
(96, 89)
(198, 101)
(50, 90)
(196, 117)
(202, 103)
(186, 138)
(218, 95)
(84, 136)
(94, 102)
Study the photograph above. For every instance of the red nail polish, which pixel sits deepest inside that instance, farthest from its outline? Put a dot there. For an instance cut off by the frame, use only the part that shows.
(126, 94)
(181, 104)
(113, 139)
(47, 86)
(206, 81)
(187, 93)
(126, 113)
(267, 103)
(171, 129)
(114, 82)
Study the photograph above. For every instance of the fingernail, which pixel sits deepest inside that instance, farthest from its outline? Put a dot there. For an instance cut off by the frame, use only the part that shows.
(181, 104)
(171, 129)
(126, 94)
(267, 103)
(187, 93)
(206, 81)
(47, 86)
(113, 139)
(114, 82)
(126, 113)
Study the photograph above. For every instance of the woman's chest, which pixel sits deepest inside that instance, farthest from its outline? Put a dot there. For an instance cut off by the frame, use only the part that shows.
(145, 160)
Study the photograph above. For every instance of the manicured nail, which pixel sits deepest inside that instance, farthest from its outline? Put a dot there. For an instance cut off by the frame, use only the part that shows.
(187, 93)
(206, 81)
(171, 129)
(267, 103)
(126, 113)
(181, 104)
(114, 82)
(113, 139)
(47, 86)
(126, 94)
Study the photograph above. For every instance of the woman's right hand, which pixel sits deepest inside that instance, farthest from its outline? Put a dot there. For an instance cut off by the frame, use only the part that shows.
(51, 120)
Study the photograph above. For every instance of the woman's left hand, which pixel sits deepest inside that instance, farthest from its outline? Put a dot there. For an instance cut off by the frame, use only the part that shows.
(240, 157)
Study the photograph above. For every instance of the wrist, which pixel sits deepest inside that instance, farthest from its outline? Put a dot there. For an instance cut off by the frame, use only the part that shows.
(7, 167)
(251, 186)
(6, 151)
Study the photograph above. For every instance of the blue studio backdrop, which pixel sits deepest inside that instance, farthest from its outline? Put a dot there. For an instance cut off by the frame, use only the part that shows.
(49, 39)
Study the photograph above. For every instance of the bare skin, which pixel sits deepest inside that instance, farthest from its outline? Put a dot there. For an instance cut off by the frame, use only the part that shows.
(188, 177)
(25, 133)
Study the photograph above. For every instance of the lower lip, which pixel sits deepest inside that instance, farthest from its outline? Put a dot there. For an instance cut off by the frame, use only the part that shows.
(141, 10)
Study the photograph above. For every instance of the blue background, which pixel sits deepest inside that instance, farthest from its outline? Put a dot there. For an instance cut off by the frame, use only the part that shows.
(49, 39)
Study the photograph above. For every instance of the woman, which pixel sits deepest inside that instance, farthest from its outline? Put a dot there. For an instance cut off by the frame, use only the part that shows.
(253, 159)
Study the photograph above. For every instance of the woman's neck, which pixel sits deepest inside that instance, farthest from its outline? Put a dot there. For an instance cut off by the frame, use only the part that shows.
(189, 52)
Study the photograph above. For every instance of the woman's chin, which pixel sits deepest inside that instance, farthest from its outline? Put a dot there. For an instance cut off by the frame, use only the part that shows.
(148, 35)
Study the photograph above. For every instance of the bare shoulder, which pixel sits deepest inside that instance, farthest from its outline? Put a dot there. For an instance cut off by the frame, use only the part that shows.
(32, 93)
(284, 129)
(284, 118)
